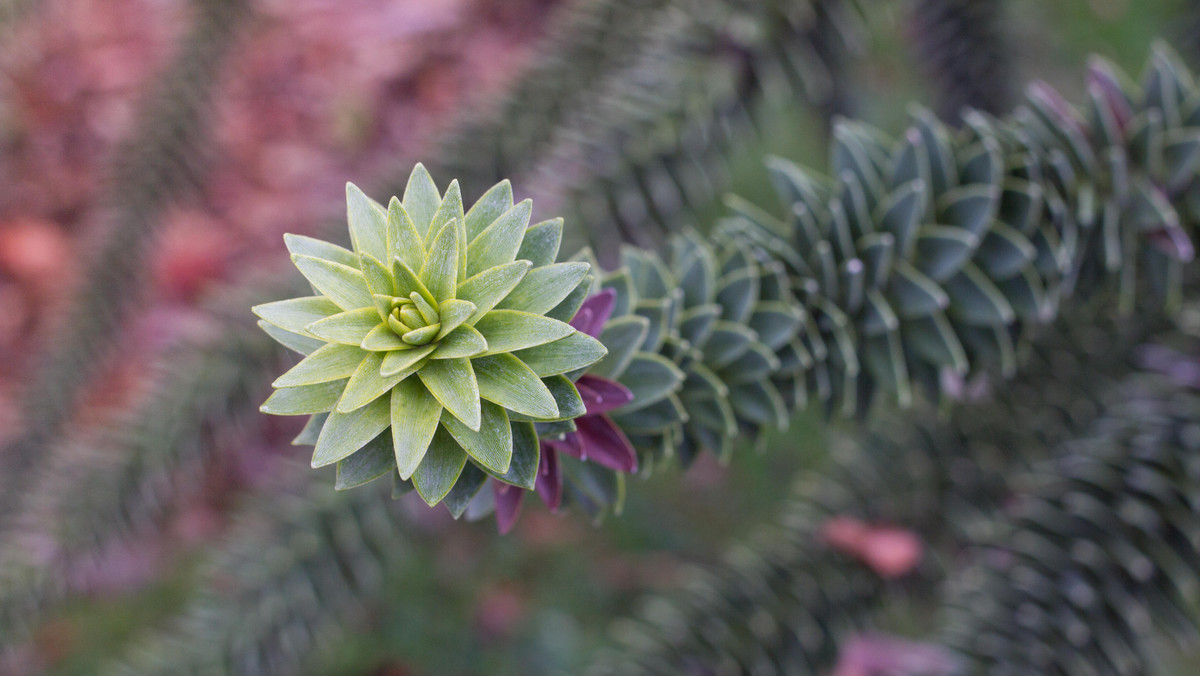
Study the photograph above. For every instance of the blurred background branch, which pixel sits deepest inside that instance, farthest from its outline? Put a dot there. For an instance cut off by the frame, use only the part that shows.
(151, 520)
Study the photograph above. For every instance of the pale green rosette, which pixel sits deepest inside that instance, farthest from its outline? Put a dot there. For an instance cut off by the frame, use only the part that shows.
(444, 326)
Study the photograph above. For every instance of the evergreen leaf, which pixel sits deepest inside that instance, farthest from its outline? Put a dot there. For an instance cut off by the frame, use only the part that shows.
(489, 287)
(300, 245)
(651, 378)
(421, 199)
(347, 328)
(292, 341)
(440, 271)
(398, 362)
(304, 400)
(464, 341)
(368, 224)
(345, 433)
(452, 382)
(494, 203)
(499, 242)
(541, 243)
(491, 444)
(295, 314)
(440, 469)
(404, 241)
(509, 330)
(367, 464)
(331, 362)
(506, 380)
(344, 285)
(415, 415)
(564, 355)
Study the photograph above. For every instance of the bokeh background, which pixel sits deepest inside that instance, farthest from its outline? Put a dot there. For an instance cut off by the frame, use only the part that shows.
(311, 94)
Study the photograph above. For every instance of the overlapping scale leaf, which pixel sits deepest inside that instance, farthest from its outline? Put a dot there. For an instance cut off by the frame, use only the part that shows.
(941, 249)
(433, 344)
(932, 254)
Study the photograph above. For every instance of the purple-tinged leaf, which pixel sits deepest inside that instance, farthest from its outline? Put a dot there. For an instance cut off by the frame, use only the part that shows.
(594, 313)
(605, 444)
(549, 479)
(601, 395)
(508, 505)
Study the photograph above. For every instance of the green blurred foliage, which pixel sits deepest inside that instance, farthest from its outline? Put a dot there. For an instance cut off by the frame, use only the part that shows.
(468, 606)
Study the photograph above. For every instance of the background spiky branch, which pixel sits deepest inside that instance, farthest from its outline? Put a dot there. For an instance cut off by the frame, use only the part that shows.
(962, 47)
(940, 478)
(154, 168)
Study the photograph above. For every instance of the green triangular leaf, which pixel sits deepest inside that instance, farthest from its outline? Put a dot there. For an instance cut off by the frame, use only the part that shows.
(451, 209)
(312, 429)
(651, 377)
(465, 489)
(299, 245)
(452, 381)
(379, 278)
(343, 284)
(367, 385)
(566, 397)
(348, 328)
(493, 204)
(565, 310)
(292, 341)
(523, 469)
(331, 362)
(452, 314)
(912, 294)
(507, 381)
(402, 362)
(440, 469)
(383, 339)
(489, 287)
(621, 337)
(366, 464)
(415, 416)
(491, 444)
(541, 242)
(295, 314)
(408, 281)
(368, 223)
(440, 272)
(499, 242)
(464, 341)
(576, 351)
(345, 433)
(305, 400)
(403, 239)
(545, 287)
(508, 330)
(421, 198)
(942, 250)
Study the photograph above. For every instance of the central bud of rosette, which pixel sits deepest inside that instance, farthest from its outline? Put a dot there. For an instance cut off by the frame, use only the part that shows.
(436, 344)
(416, 320)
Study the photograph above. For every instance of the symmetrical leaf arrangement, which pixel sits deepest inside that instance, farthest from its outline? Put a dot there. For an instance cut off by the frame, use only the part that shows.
(451, 350)
(937, 252)
(922, 261)
(783, 601)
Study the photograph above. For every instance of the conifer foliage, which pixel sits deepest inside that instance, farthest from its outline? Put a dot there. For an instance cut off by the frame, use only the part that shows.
(459, 352)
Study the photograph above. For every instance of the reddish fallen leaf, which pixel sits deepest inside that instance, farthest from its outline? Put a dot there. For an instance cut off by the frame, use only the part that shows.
(881, 655)
(36, 252)
(498, 612)
(890, 551)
